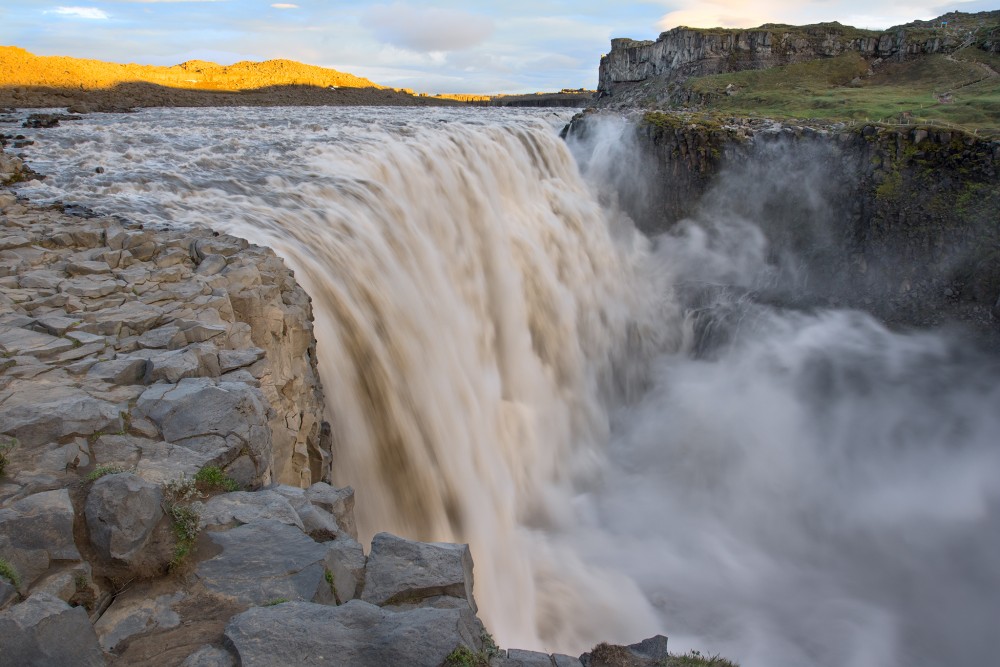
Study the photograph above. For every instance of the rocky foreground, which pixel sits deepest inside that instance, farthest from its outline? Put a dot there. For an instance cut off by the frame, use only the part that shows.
(165, 469)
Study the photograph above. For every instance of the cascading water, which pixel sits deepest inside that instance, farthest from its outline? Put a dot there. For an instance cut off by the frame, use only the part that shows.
(629, 443)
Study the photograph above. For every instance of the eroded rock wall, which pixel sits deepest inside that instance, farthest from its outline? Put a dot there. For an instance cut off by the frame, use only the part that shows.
(898, 221)
(683, 52)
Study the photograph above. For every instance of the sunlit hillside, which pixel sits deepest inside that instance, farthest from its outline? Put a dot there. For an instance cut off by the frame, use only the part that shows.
(21, 68)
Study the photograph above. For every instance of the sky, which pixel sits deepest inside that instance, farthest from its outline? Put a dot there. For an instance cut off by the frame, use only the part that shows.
(445, 46)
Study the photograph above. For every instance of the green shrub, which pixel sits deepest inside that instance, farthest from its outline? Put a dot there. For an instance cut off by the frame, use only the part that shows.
(186, 526)
(463, 656)
(211, 478)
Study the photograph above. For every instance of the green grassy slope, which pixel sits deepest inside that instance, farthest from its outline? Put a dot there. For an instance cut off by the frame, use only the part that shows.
(961, 89)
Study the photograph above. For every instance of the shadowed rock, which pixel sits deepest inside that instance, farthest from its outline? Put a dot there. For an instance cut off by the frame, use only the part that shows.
(357, 634)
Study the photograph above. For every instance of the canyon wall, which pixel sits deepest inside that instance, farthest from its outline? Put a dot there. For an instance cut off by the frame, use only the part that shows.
(684, 52)
(898, 221)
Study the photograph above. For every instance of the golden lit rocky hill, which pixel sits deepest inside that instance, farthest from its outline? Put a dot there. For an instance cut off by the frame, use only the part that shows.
(27, 80)
(21, 68)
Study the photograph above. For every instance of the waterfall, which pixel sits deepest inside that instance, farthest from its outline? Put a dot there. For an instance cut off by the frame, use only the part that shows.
(475, 316)
(629, 438)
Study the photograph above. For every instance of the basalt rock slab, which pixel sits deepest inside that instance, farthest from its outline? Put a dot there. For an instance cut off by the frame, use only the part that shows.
(37, 530)
(44, 631)
(122, 510)
(357, 633)
(263, 562)
(239, 507)
(404, 571)
(38, 414)
(131, 615)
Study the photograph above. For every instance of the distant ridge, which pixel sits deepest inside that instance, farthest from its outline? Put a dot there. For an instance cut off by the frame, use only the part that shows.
(19, 67)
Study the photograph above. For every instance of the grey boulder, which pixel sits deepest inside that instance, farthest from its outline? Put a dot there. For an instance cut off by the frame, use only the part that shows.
(44, 631)
(122, 511)
(402, 571)
(37, 530)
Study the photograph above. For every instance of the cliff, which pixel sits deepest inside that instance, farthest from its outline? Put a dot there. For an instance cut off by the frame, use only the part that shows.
(898, 221)
(639, 69)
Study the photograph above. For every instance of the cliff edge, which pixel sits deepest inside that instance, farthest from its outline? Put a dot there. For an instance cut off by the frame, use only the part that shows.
(653, 71)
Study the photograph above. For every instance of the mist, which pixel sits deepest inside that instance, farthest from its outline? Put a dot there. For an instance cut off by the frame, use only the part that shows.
(801, 485)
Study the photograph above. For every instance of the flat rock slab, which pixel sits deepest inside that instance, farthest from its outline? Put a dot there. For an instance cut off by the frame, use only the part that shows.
(45, 413)
(263, 562)
(519, 658)
(131, 615)
(403, 571)
(16, 341)
(200, 406)
(241, 507)
(44, 631)
(153, 460)
(357, 634)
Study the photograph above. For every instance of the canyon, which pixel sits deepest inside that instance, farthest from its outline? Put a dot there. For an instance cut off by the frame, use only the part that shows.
(652, 332)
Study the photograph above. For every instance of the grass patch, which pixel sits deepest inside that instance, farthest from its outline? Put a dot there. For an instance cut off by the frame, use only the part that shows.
(104, 470)
(932, 89)
(211, 479)
(696, 659)
(276, 602)
(463, 656)
(8, 572)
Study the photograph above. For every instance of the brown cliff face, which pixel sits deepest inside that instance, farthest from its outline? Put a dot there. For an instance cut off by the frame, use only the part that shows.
(683, 52)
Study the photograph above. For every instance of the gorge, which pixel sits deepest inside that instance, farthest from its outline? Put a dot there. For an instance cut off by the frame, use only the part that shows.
(616, 426)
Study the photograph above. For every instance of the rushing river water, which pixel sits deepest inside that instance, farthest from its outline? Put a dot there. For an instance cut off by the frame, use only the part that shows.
(508, 363)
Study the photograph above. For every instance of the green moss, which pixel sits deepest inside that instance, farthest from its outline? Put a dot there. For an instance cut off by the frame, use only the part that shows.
(276, 602)
(6, 447)
(103, 470)
(8, 572)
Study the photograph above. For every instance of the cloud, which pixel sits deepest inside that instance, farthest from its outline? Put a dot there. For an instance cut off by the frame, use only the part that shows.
(284, 5)
(740, 14)
(81, 12)
(427, 29)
